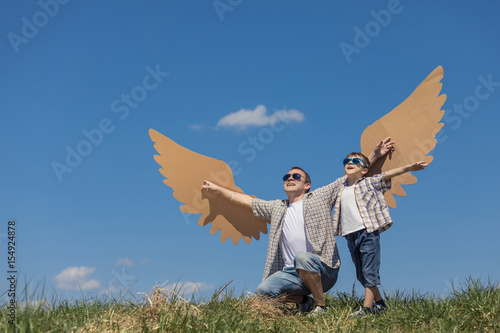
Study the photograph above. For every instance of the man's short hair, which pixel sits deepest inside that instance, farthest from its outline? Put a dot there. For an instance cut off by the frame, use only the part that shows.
(307, 180)
(360, 155)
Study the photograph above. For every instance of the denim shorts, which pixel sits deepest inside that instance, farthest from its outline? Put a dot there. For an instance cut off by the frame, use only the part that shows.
(365, 253)
(288, 280)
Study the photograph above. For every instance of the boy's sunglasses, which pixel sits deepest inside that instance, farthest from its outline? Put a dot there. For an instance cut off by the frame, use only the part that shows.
(355, 161)
(295, 176)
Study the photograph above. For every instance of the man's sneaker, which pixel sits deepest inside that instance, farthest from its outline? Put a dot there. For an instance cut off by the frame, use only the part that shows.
(361, 312)
(307, 306)
(317, 311)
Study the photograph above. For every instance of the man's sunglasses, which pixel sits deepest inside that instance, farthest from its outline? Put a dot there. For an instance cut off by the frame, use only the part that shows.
(355, 161)
(295, 176)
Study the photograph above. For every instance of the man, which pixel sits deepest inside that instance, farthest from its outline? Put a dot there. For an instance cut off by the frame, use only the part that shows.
(302, 256)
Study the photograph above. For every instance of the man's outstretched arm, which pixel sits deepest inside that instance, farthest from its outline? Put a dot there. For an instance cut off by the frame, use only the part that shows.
(381, 149)
(238, 198)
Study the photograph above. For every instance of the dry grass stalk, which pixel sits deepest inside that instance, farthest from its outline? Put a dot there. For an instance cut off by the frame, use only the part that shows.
(157, 303)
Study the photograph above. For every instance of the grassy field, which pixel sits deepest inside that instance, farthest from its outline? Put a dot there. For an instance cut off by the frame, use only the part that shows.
(473, 307)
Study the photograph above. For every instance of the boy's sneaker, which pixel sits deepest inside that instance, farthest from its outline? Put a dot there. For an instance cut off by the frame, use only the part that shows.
(361, 312)
(307, 306)
(317, 311)
(358, 313)
(377, 308)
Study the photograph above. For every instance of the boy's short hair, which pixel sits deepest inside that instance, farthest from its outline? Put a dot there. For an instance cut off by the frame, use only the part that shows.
(360, 155)
(308, 179)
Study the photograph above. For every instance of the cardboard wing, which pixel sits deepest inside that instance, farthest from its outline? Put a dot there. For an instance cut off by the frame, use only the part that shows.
(413, 126)
(185, 171)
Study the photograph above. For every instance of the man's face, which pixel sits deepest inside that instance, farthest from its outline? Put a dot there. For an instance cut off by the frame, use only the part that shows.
(294, 185)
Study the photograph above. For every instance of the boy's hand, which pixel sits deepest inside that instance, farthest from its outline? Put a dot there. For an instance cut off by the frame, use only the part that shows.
(211, 187)
(418, 166)
(410, 167)
(383, 147)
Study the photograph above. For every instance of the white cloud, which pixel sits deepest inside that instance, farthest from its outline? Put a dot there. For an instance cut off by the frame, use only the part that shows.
(35, 304)
(197, 127)
(90, 284)
(75, 278)
(124, 262)
(258, 117)
(188, 287)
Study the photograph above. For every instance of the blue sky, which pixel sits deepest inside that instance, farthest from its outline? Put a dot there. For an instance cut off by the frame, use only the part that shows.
(73, 69)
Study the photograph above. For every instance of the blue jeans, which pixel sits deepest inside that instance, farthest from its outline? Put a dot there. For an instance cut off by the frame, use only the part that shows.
(365, 253)
(288, 280)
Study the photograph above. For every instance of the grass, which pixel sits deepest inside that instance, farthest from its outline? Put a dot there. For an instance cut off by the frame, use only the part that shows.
(473, 307)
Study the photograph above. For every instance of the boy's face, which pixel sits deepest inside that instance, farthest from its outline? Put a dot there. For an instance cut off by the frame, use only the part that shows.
(355, 170)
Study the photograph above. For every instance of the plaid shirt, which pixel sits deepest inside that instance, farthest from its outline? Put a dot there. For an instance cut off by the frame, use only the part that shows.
(318, 206)
(369, 193)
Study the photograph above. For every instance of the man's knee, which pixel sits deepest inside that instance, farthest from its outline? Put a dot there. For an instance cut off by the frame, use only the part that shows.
(261, 290)
(267, 290)
(307, 261)
(302, 258)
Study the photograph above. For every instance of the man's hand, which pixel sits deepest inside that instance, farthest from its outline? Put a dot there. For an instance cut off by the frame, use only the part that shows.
(211, 187)
(235, 197)
(418, 166)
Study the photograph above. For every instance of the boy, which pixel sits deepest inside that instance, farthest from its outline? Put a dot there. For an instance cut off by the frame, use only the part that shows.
(361, 214)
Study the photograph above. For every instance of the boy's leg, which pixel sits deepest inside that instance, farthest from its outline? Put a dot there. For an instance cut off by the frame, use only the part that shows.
(354, 243)
(371, 294)
(370, 258)
(365, 254)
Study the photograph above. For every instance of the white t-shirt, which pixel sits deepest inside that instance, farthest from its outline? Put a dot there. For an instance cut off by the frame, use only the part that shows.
(293, 238)
(350, 219)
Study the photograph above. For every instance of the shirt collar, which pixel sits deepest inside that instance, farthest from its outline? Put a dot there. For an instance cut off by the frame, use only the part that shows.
(346, 183)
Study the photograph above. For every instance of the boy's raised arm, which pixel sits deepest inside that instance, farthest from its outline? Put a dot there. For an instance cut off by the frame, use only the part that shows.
(384, 146)
(238, 198)
(410, 167)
